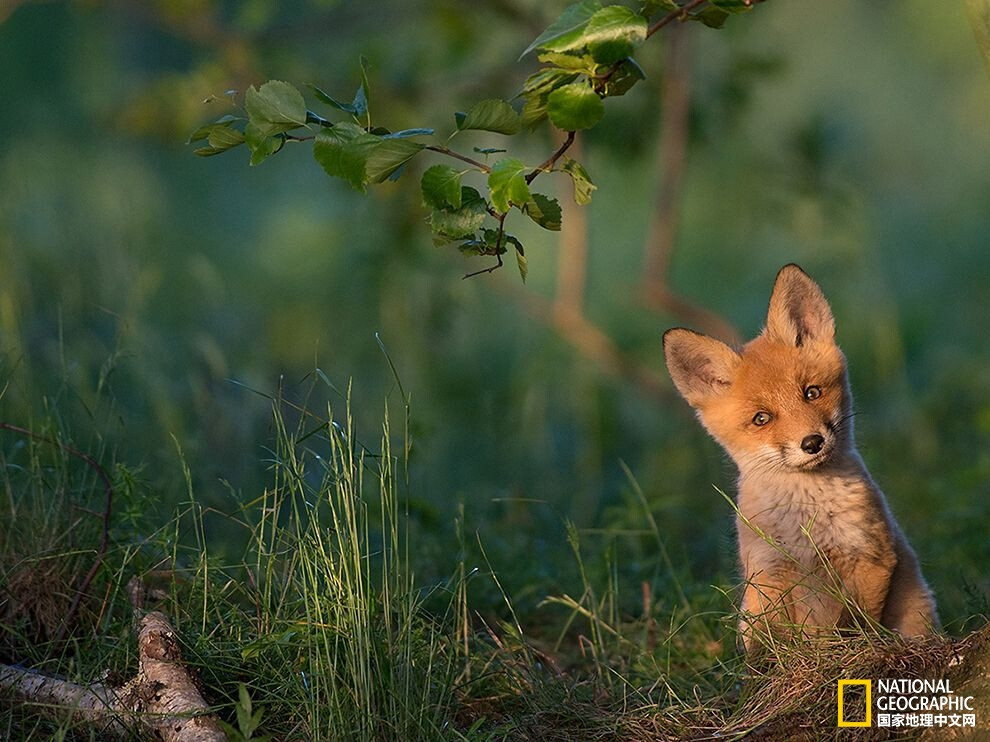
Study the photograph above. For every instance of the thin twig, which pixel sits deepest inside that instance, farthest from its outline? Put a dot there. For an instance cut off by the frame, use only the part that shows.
(451, 153)
(498, 249)
(489, 269)
(105, 517)
(674, 15)
(552, 159)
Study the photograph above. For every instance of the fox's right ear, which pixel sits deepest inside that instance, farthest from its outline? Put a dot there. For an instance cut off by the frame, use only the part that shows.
(798, 309)
(700, 367)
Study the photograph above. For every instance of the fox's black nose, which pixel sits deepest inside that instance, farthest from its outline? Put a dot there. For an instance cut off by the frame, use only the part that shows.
(812, 443)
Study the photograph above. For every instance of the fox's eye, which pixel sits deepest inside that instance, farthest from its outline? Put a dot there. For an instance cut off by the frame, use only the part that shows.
(812, 393)
(761, 418)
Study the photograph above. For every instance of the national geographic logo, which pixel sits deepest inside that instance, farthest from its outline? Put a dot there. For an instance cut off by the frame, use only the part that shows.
(903, 703)
(868, 702)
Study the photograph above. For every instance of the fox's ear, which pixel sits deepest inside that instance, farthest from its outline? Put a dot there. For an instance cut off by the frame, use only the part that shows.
(798, 309)
(701, 367)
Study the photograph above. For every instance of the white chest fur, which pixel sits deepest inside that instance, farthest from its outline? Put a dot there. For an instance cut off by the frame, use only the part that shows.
(806, 515)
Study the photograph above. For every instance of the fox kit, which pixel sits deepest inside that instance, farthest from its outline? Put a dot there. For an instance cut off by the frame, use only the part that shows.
(817, 543)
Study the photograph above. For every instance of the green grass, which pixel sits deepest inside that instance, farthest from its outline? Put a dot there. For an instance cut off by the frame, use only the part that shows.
(318, 630)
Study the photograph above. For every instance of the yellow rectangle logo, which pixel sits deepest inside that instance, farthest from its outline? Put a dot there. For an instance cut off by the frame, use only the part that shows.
(868, 684)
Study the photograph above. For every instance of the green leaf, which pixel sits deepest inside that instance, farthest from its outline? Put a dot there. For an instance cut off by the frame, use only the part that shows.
(521, 262)
(265, 641)
(979, 19)
(219, 136)
(489, 242)
(347, 151)
(333, 102)
(255, 723)
(711, 16)
(388, 156)
(565, 32)
(534, 111)
(224, 137)
(613, 33)
(507, 184)
(261, 144)
(274, 108)
(491, 115)
(408, 133)
(609, 33)
(204, 131)
(452, 224)
(537, 89)
(575, 107)
(628, 74)
(258, 141)
(734, 6)
(582, 181)
(207, 151)
(360, 103)
(651, 7)
(343, 152)
(244, 710)
(508, 239)
(544, 210)
(362, 99)
(201, 133)
(441, 186)
(567, 61)
(546, 80)
(359, 106)
(276, 103)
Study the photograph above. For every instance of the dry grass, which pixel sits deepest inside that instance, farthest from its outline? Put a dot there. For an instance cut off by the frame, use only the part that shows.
(790, 694)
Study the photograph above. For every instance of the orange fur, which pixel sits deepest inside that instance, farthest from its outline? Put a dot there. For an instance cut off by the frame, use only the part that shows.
(818, 545)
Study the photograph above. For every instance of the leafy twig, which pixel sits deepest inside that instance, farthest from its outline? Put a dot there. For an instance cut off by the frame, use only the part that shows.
(584, 65)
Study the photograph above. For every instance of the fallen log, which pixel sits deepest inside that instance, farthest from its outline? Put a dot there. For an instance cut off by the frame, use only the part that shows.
(161, 700)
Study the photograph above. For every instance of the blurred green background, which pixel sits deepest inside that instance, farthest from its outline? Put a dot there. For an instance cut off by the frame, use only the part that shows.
(147, 296)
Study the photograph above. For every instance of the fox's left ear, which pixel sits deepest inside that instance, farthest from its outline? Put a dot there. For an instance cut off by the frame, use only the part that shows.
(798, 309)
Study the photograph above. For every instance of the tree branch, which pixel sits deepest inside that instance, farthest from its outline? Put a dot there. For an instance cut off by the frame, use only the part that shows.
(675, 109)
(671, 162)
(593, 343)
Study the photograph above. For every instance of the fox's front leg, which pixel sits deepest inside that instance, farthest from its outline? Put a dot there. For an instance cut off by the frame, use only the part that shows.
(764, 609)
(865, 582)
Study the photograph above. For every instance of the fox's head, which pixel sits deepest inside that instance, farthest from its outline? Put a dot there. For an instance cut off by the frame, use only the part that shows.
(782, 403)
